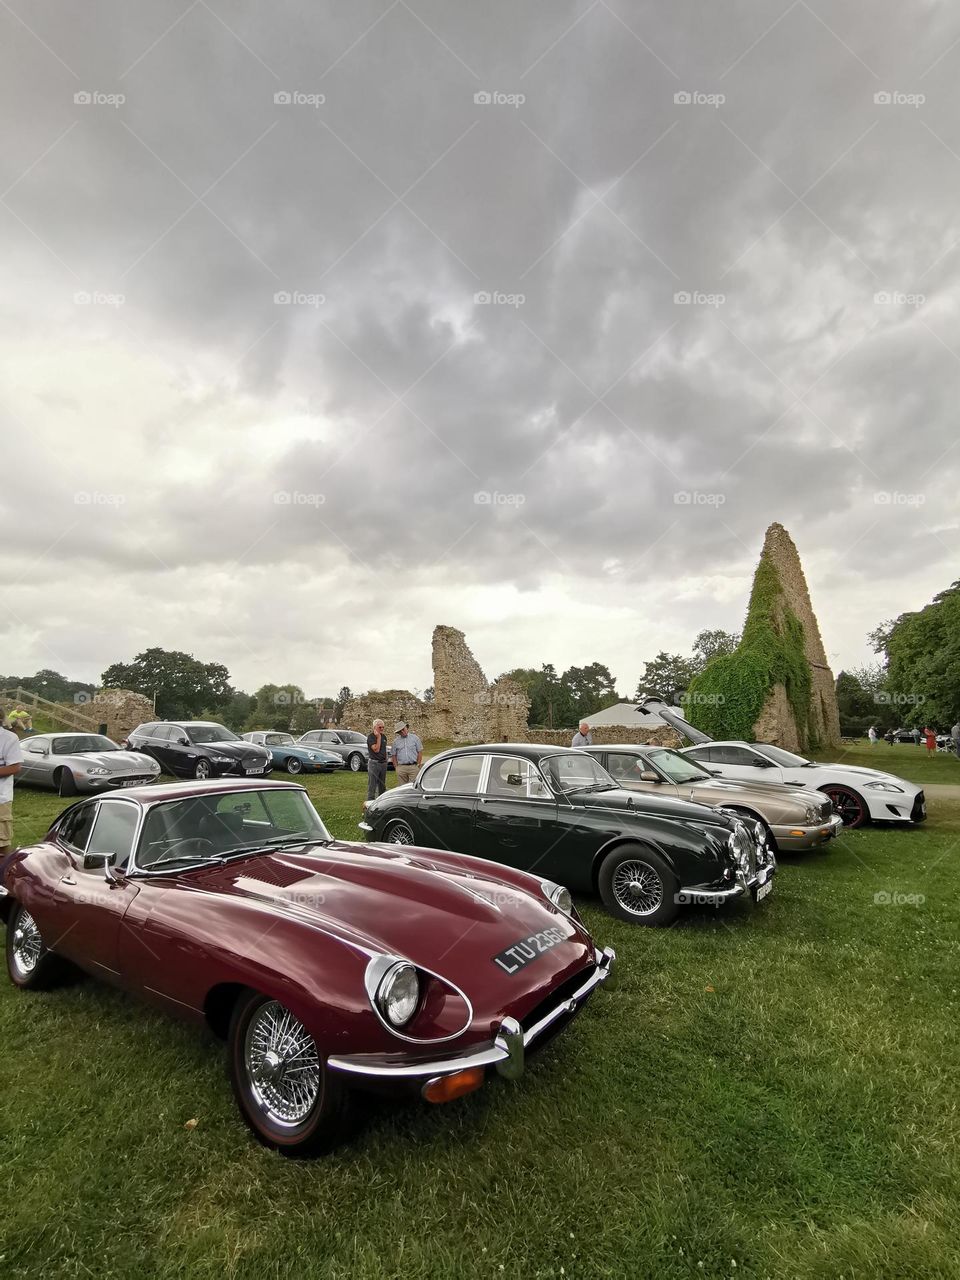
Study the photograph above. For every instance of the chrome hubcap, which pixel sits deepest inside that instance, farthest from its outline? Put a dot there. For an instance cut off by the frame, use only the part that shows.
(401, 834)
(27, 943)
(283, 1065)
(637, 888)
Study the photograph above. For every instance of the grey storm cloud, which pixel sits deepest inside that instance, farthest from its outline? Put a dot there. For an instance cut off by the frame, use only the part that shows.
(490, 293)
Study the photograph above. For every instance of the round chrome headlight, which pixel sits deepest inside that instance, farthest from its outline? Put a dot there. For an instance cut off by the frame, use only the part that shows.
(398, 994)
(739, 846)
(561, 899)
(813, 815)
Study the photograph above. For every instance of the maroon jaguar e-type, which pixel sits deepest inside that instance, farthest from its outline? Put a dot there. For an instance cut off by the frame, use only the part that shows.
(328, 966)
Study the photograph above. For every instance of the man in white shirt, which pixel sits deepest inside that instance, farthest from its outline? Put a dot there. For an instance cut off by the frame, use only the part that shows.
(583, 737)
(11, 758)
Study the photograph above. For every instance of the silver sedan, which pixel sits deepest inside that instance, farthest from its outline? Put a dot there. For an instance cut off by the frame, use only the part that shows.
(75, 762)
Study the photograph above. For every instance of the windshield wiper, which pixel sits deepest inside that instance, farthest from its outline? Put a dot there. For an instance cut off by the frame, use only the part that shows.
(304, 838)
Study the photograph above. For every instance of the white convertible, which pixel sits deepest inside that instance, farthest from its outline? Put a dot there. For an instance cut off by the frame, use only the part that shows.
(859, 795)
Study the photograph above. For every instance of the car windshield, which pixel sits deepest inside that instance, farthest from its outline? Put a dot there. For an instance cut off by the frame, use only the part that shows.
(577, 772)
(278, 739)
(80, 743)
(199, 830)
(209, 733)
(786, 758)
(677, 767)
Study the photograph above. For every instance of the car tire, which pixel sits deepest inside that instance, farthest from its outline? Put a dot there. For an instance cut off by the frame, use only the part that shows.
(30, 965)
(307, 1120)
(399, 832)
(638, 886)
(66, 784)
(202, 770)
(846, 802)
(293, 765)
(355, 762)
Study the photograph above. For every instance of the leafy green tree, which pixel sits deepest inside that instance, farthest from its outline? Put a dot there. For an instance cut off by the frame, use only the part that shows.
(590, 689)
(48, 684)
(275, 704)
(236, 711)
(183, 685)
(668, 675)
(922, 650)
(343, 697)
(711, 644)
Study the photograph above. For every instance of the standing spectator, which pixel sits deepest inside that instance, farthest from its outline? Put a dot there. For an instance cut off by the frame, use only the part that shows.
(583, 737)
(11, 758)
(917, 735)
(377, 762)
(872, 735)
(931, 737)
(955, 734)
(888, 737)
(407, 752)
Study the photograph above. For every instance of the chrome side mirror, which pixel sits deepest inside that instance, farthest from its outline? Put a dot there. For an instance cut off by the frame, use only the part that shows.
(100, 862)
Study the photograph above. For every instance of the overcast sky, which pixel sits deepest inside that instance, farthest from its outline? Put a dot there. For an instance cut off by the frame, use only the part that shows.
(255, 404)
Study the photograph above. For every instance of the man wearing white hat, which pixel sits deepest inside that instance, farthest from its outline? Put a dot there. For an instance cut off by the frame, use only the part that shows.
(407, 753)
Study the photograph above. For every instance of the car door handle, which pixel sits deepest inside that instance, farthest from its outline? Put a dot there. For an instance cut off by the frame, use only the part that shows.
(67, 880)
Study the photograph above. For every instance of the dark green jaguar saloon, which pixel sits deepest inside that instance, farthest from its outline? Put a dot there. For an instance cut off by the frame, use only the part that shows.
(556, 812)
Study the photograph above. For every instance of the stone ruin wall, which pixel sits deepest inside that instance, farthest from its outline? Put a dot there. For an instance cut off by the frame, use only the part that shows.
(603, 734)
(465, 707)
(121, 710)
(776, 723)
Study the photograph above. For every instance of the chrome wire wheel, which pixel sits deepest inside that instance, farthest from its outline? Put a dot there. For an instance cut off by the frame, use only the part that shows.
(399, 833)
(282, 1065)
(637, 887)
(27, 944)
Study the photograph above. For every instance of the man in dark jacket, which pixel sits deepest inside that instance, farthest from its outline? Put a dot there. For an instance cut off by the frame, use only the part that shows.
(377, 763)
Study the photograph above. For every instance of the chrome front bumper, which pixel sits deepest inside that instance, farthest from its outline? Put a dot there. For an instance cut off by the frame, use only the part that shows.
(703, 895)
(506, 1054)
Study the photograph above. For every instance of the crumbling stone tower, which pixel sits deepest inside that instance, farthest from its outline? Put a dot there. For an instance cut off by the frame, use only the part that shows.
(777, 685)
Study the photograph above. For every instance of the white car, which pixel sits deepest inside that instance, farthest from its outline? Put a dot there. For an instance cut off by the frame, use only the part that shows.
(859, 795)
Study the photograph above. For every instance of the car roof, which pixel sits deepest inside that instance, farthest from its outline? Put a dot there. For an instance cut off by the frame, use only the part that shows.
(625, 746)
(153, 794)
(525, 750)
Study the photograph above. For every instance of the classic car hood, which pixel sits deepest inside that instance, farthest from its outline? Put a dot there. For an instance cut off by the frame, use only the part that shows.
(116, 760)
(723, 786)
(378, 898)
(241, 749)
(644, 802)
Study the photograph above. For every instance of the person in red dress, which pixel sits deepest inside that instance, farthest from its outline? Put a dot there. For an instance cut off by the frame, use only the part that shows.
(931, 737)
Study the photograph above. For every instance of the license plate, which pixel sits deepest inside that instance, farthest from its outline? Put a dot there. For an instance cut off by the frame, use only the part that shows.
(527, 949)
(257, 770)
(130, 782)
(763, 890)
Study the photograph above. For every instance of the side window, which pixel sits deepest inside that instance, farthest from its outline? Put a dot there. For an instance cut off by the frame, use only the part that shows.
(329, 737)
(115, 828)
(160, 733)
(703, 755)
(36, 745)
(74, 830)
(620, 765)
(733, 755)
(464, 775)
(434, 777)
(511, 776)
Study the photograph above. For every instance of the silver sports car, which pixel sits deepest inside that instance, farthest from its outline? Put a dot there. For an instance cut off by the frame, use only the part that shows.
(74, 762)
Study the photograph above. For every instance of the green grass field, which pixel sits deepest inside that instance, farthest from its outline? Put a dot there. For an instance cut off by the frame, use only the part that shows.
(770, 1092)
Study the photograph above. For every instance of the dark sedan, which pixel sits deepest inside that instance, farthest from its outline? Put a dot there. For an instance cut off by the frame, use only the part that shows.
(200, 749)
(557, 812)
